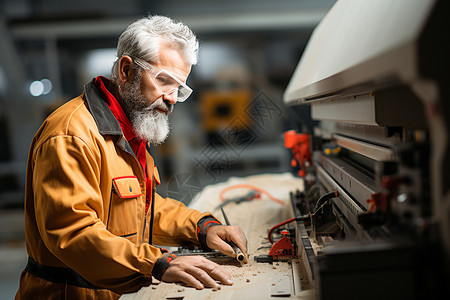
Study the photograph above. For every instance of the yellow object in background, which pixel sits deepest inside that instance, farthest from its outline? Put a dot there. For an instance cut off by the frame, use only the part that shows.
(331, 150)
(222, 109)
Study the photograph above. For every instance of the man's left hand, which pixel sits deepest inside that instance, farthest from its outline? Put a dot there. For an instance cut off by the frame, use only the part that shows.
(219, 237)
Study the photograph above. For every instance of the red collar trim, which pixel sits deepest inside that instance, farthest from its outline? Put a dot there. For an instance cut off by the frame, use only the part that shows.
(115, 107)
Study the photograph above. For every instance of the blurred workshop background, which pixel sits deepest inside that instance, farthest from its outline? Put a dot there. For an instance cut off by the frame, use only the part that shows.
(231, 126)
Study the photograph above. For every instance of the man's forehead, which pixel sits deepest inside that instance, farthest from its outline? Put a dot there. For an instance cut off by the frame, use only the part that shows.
(171, 59)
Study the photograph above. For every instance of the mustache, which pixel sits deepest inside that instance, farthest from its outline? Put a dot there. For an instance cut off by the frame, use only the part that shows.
(162, 105)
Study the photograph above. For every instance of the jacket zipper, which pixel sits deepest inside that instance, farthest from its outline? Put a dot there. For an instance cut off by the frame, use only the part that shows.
(139, 164)
(145, 217)
(152, 212)
(113, 191)
(145, 223)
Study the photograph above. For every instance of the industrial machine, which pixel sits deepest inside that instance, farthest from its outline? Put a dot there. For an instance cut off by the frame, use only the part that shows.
(372, 219)
(375, 74)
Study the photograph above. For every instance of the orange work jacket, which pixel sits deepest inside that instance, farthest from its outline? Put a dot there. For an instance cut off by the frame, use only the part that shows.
(85, 207)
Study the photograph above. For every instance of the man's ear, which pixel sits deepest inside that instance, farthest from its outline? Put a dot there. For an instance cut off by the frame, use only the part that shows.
(125, 69)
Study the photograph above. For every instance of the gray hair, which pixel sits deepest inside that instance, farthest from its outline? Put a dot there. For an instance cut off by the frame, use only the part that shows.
(141, 40)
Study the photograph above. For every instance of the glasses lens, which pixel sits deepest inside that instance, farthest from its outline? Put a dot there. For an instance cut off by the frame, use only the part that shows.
(183, 93)
(166, 82)
(168, 85)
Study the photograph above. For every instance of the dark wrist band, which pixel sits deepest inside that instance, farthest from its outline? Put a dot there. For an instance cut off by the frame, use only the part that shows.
(161, 265)
(202, 229)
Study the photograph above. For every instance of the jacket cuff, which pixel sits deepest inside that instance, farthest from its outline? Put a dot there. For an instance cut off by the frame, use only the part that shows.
(203, 226)
(161, 265)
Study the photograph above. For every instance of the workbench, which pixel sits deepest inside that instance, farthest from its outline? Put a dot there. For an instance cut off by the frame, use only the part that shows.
(252, 280)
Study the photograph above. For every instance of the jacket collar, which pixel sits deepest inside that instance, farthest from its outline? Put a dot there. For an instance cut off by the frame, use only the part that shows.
(107, 123)
(104, 118)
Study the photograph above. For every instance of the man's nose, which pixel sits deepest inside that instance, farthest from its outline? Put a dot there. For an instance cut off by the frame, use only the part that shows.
(171, 98)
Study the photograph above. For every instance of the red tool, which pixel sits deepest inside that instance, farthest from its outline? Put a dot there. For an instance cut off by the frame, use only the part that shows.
(299, 143)
(381, 201)
(283, 248)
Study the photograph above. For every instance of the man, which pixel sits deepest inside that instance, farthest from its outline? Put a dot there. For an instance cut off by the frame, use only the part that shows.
(91, 211)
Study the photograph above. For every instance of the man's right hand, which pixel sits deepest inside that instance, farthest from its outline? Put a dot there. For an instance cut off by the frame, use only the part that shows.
(196, 271)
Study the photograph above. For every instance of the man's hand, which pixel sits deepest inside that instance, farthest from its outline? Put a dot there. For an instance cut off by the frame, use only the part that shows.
(219, 237)
(196, 271)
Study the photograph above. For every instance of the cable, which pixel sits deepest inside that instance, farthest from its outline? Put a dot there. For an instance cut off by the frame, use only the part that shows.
(323, 199)
(250, 196)
(248, 186)
(312, 189)
(301, 218)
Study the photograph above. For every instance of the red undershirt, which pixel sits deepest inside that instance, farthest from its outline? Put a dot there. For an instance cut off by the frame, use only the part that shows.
(137, 144)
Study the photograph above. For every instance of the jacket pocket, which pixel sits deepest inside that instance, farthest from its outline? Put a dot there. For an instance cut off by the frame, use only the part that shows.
(123, 214)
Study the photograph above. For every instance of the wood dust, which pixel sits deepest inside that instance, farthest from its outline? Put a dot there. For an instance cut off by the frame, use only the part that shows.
(255, 218)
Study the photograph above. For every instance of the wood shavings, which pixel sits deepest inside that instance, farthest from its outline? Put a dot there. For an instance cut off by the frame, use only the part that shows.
(255, 218)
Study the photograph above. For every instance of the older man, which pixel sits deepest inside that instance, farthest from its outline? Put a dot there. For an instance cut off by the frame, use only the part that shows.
(91, 211)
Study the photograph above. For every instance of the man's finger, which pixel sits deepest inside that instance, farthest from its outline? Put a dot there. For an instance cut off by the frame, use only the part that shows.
(189, 280)
(217, 272)
(224, 247)
(240, 241)
(202, 276)
(222, 237)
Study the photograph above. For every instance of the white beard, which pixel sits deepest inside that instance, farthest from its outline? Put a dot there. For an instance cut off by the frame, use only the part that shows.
(147, 122)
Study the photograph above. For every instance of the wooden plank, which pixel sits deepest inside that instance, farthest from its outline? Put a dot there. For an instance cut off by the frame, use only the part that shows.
(281, 280)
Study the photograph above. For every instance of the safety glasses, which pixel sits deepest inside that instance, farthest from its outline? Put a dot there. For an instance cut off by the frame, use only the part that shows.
(166, 82)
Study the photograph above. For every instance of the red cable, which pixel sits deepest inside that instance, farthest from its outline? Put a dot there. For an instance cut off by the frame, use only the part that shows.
(325, 197)
(248, 186)
(276, 226)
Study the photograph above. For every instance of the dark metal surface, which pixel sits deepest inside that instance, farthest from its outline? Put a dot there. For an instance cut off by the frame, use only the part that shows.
(355, 182)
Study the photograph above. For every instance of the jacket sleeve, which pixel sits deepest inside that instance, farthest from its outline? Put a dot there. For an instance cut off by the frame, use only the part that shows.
(175, 224)
(68, 211)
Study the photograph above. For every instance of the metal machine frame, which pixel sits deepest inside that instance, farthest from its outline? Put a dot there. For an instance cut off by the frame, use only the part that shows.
(373, 73)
